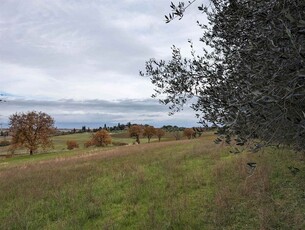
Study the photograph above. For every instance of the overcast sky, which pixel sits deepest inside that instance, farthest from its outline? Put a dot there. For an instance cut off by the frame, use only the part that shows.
(78, 60)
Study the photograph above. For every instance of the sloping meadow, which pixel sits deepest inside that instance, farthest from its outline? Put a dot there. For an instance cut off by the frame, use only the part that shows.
(189, 184)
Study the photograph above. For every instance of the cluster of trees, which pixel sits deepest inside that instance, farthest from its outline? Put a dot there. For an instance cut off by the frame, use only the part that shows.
(250, 78)
(118, 127)
(100, 138)
(136, 131)
(85, 129)
(148, 131)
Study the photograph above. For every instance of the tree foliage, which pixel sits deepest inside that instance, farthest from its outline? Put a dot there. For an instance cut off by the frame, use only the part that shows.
(149, 132)
(101, 138)
(159, 133)
(31, 130)
(189, 133)
(250, 79)
(135, 131)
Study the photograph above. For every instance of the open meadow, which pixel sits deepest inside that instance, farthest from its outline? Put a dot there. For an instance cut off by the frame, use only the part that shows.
(186, 184)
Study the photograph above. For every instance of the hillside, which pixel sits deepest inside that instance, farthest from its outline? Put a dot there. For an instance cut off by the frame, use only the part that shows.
(188, 184)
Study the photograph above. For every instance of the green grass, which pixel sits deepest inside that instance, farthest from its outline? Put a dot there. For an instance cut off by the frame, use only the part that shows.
(60, 146)
(60, 150)
(188, 184)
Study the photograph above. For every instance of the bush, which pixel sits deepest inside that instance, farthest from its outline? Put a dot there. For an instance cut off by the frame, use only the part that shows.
(119, 143)
(4, 143)
(87, 144)
(72, 145)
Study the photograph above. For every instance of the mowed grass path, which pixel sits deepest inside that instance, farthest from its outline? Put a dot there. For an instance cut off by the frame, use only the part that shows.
(189, 184)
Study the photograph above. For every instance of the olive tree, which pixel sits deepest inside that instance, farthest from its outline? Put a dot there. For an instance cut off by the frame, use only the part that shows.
(250, 79)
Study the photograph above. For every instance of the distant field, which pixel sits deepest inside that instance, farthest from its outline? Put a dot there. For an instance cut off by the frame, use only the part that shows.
(60, 142)
(188, 184)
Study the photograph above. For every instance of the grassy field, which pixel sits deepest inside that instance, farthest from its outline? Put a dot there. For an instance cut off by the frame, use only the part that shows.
(188, 184)
(60, 146)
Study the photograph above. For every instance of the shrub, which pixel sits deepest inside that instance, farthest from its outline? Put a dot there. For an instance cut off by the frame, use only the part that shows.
(119, 143)
(72, 145)
(4, 143)
(87, 144)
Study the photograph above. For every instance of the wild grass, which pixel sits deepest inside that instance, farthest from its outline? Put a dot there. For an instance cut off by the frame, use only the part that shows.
(60, 143)
(188, 184)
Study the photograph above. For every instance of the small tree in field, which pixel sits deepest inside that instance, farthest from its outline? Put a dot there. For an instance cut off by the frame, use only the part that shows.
(135, 131)
(31, 130)
(149, 132)
(176, 134)
(159, 133)
(101, 138)
(188, 132)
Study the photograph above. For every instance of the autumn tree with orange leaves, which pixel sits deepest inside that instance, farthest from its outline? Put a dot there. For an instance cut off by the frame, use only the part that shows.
(159, 133)
(149, 132)
(189, 133)
(135, 131)
(101, 138)
(31, 130)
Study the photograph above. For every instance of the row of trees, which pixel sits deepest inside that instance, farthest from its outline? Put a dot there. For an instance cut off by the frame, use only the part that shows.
(147, 131)
(136, 131)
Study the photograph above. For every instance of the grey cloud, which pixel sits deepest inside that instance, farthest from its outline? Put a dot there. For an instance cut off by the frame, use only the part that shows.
(69, 38)
(120, 106)
(69, 112)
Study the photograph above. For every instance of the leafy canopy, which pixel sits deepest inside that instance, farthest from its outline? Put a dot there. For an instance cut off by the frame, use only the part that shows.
(101, 138)
(250, 79)
(31, 130)
(135, 131)
(149, 132)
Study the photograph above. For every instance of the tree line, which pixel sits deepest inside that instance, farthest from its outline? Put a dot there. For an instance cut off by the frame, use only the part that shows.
(33, 130)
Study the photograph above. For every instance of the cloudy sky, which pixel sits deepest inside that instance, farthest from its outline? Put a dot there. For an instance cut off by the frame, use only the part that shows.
(78, 60)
